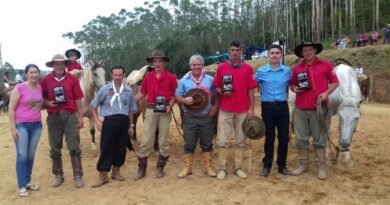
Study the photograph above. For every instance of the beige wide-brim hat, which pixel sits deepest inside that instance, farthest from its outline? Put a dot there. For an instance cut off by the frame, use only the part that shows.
(157, 54)
(201, 100)
(58, 58)
(253, 128)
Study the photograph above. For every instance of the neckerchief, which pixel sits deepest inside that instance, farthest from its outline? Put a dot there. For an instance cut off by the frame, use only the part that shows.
(199, 83)
(116, 94)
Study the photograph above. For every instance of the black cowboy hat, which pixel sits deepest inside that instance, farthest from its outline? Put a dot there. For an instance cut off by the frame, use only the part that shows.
(201, 100)
(58, 58)
(157, 54)
(298, 49)
(253, 128)
(67, 53)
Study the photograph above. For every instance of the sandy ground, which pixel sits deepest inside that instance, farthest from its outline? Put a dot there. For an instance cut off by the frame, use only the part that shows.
(365, 181)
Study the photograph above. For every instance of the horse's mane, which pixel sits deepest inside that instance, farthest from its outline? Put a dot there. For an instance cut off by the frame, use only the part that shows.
(136, 76)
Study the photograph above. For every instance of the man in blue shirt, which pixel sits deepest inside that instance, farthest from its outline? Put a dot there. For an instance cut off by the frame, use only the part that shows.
(197, 125)
(274, 80)
(117, 106)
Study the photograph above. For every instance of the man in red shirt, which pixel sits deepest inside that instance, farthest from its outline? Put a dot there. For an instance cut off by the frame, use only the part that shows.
(62, 94)
(312, 79)
(74, 68)
(159, 86)
(235, 83)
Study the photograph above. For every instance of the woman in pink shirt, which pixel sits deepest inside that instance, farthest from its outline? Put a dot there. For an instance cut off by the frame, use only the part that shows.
(25, 118)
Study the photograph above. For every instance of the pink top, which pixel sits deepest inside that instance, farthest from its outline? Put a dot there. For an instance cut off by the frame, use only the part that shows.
(29, 105)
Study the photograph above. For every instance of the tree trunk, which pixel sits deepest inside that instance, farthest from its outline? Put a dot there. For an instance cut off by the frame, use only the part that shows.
(332, 18)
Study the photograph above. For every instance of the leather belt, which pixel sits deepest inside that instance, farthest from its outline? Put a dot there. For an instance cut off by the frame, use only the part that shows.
(275, 103)
(61, 112)
(151, 106)
(198, 117)
(118, 116)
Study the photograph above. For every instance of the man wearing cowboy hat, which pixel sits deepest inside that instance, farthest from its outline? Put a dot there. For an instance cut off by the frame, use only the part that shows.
(313, 79)
(74, 68)
(195, 92)
(235, 85)
(159, 85)
(274, 80)
(62, 94)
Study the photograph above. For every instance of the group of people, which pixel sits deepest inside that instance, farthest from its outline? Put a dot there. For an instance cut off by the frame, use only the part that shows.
(229, 95)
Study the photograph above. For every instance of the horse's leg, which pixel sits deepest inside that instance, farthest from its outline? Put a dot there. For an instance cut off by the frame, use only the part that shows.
(92, 132)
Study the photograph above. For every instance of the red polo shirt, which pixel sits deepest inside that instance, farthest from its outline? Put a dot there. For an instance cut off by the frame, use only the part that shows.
(72, 91)
(74, 66)
(165, 85)
(243, 80)
(321, 74)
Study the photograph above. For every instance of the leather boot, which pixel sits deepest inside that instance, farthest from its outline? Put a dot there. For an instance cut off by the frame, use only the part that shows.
(161, 162)
(116, 175)
(238, 158)
(77, 171)
(142, 165)
(208, 158)
(223, 154)
(103, 179)
(303, 156)
(58, 173)
(320, 161)
(187, 170)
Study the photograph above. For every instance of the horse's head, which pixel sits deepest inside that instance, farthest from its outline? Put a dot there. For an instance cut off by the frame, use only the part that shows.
(98, 74)
(349, 115)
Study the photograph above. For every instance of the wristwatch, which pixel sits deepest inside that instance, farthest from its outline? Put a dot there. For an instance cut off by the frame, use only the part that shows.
(132, 125)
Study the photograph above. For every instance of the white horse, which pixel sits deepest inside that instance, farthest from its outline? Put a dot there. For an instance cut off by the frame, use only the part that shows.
(345, 102)
(90, 82)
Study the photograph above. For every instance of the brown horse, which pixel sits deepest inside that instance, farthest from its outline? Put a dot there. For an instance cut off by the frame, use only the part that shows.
(364, 84)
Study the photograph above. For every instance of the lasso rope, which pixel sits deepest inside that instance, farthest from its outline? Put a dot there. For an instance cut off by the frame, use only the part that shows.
(324, 123)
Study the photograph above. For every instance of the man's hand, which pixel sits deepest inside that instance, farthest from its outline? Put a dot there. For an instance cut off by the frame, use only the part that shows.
(130, 131)
(188, 100)
(80, 122)
(324, 97)
(250, 113)
(296, 90)
(227, 94)
(213, 111)
(50, 104)
(98, 125)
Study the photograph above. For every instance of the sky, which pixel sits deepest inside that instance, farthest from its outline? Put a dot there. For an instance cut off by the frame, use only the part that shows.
(31, 30)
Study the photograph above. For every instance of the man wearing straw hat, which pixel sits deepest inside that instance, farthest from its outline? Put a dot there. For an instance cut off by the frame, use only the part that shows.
(235, 85)
(159, 85)
(62, 94)
(196, 92)
(313, 79)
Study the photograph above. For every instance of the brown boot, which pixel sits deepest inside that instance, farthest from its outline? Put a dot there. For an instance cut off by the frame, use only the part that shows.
(116, 175)
(58, 173)
(142, 165)
(320, 155)
(223, 155)
(208, 158)
(161, 162)
(103, 179)
(187, 170)
(303, 155)
(77, 171)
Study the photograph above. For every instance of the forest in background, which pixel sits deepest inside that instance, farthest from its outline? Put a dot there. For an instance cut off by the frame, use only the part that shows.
(184, 27)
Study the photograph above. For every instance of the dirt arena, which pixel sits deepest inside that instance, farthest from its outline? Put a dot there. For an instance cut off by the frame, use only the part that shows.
(364, 181)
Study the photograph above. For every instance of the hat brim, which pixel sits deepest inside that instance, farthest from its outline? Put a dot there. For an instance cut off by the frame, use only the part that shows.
(198, 93)
(298, 49)
(259, 122)
(51, 63)
(78, 54)
(150, 59)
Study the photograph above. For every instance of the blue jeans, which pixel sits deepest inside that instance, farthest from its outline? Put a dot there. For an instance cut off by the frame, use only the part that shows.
(26, 145)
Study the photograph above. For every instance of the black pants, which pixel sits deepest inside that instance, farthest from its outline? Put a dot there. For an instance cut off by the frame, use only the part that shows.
(198, 129)
(113, 142)
(275, 115)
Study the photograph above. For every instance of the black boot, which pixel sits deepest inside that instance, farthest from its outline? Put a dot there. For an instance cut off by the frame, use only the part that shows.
(142, 164)
(161, 162)
(77, 171)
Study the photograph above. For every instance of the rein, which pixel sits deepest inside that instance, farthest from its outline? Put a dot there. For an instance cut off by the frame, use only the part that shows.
(324, 123)
(178, 125)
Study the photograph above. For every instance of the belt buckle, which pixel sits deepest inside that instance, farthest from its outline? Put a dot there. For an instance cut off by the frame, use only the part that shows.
(63, 112)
